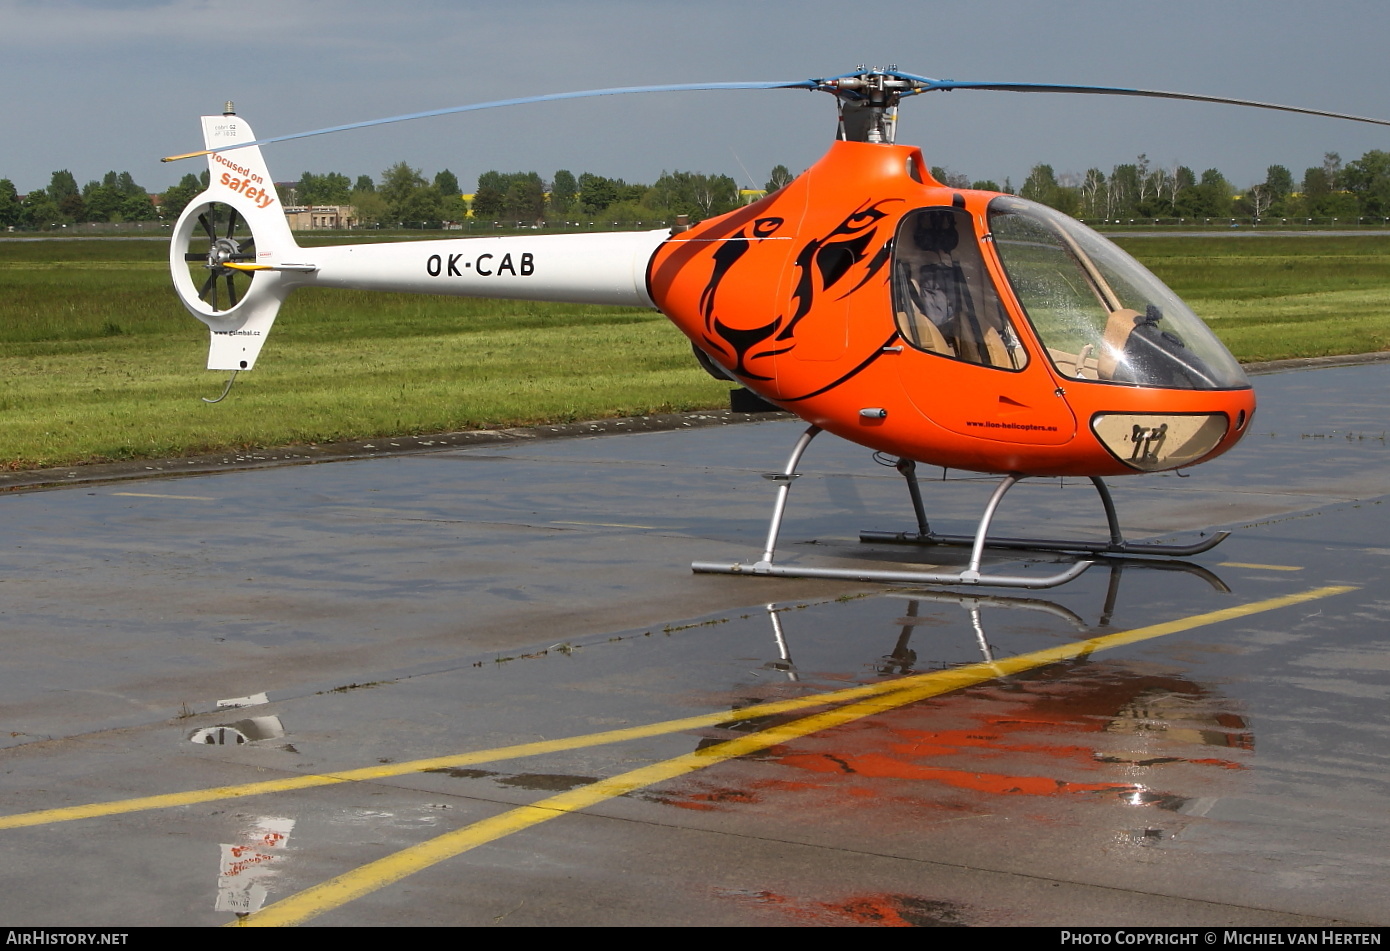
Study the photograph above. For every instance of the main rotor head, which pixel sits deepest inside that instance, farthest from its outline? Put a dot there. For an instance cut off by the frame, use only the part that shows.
(868, 100)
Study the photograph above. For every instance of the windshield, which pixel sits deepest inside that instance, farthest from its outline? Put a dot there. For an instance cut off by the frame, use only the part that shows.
(1098, 312)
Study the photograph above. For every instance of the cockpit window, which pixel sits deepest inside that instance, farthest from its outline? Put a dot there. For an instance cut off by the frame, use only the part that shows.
(1099, 313)
(944, 298)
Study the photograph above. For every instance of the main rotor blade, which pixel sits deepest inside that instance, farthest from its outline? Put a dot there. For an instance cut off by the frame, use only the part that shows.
(946, 85)
(475, 107)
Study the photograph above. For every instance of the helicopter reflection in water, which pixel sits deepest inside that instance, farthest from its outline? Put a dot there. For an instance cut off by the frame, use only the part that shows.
(1083, 730)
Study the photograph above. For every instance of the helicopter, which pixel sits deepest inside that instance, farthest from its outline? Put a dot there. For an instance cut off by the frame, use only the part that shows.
(935, 325)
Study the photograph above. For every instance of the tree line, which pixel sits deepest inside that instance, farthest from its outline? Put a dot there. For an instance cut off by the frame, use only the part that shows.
(524, 196)
(402, 195)
(116, 197)
(1141, 189)
(405, 196)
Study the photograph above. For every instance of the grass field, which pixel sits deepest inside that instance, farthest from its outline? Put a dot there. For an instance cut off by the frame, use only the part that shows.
(99, 361)
(1269, 298)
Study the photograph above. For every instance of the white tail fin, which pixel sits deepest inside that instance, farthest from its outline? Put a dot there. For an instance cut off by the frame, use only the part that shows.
(233, 257)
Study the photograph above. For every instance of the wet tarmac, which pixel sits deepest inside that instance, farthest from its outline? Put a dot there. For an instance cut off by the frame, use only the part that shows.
(481, 686)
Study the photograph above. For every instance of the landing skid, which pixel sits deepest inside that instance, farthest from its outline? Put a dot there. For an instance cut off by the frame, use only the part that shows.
(972, 575)
(1117, 545)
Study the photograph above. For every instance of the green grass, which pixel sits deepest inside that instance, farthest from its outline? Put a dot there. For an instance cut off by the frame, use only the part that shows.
(99, 361)
(1271, 298)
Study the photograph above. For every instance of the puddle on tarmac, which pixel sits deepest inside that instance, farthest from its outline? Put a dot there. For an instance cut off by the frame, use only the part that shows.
(1080, 732)
(239, 733)
(542, 782)
(787, 650)
(884, 911)
(1133, 729)
(247, 867)
(1124, 749)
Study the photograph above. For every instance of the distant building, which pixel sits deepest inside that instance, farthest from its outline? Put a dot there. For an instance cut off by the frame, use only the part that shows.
(318, 217)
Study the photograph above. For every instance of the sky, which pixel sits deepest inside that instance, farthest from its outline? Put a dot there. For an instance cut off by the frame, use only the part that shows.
(113, 85)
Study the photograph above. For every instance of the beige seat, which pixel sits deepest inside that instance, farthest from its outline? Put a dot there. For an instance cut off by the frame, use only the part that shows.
(925, 334)
(1117, 331)
(999, 355)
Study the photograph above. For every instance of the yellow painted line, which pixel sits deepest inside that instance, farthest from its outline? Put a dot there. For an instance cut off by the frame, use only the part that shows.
(540, 747)
(1242, 564)
(156, 495)
(165, 801)
(373, 876)
(605, 524)
(453, 761)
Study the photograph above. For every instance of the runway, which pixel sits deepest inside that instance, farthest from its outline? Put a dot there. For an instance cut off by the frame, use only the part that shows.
(481, 686)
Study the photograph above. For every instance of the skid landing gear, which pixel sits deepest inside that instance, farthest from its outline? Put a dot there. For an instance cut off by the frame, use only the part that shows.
(972, 575)
(1116, 546)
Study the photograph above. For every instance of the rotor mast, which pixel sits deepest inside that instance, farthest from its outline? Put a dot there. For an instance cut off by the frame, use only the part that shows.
(868, 101)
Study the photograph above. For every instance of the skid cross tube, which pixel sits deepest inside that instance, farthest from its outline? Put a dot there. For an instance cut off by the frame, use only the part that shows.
(971, 575)
(1117, 545)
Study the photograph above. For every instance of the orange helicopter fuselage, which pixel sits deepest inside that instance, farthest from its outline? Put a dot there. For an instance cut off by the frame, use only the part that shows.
(793, 296)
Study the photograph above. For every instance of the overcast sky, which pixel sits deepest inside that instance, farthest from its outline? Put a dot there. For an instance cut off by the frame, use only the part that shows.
(91, 86)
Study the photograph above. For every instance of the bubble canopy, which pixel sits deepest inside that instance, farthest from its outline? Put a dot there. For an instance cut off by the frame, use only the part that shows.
(1100, 314)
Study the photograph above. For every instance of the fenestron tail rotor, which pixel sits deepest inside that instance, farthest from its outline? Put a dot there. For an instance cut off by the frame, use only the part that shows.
(220, 266)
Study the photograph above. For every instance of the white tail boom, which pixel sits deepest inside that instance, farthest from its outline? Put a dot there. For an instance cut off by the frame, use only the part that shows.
(237, 287)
